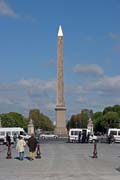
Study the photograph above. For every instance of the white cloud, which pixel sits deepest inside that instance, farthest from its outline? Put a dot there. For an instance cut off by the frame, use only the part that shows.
(81, 99)
(38, 84)
(6, 101)
(27, 94)
(109, 84)
(35, 93)
(6, 10)
(50, 106)
(94, 95)
(91, 69)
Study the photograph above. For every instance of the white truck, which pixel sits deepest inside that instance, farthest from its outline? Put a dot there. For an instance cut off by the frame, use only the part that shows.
(74, 135)
(11, 131)
(115, 132)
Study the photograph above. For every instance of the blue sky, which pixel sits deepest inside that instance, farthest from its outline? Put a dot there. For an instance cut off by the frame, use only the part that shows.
(28, 54)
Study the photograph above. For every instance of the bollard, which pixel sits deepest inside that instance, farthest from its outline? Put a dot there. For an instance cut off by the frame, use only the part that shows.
(9, 156)
(38, 152)
(95, 150)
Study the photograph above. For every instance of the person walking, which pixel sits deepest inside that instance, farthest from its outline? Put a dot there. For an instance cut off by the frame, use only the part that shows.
(15, 139)
(8, 144)
(79, 137)
(8, 140)
(20, 147)
(88, 137)
(32, 144)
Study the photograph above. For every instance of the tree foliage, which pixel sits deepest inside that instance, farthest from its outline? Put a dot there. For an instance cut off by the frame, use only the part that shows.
(13, 119)
(109, 118)
(78, 121)
(40, 120)
(97, 122)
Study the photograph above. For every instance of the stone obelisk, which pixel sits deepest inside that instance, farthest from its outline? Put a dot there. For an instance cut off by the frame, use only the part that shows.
(60, 106)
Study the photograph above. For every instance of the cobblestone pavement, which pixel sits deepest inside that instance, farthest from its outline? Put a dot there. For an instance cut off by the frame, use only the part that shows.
(63, 161)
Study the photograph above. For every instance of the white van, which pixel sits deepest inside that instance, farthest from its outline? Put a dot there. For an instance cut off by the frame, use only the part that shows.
(74, 133)
(11, 131)
(115, 132)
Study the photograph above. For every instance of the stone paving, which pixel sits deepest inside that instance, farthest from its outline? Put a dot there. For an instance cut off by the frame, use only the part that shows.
(63, 161)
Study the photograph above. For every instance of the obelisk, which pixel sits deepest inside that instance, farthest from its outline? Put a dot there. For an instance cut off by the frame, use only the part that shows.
(60, 105)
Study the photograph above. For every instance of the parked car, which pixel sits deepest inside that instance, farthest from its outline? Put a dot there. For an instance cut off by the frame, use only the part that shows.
(45, 136)
(93, 138)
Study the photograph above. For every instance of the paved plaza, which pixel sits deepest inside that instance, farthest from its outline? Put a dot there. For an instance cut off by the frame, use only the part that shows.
(63, 161)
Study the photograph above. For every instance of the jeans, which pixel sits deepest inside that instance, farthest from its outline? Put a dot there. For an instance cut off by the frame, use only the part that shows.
(21, 155)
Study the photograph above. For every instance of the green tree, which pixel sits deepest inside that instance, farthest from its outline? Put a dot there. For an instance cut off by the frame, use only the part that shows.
(111, 120)
(13, 119)
(116, 108)
(40, 120)
(46, 123)
(97, 122)
(6, 121)
(78, 121)
(107, 109)
(84, 120)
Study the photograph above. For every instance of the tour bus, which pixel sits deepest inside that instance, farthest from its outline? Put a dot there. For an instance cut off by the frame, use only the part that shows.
(115, 132)
(74, 133)
(11, 131)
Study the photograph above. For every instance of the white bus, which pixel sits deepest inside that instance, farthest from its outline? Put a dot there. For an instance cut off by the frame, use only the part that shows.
(115, 132)
(74, 133)
(11, 131)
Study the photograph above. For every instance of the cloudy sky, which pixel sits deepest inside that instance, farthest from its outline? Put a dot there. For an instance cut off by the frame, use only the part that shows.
(28, 54)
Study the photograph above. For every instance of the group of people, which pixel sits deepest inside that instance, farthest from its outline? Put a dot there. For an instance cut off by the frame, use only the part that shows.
(20, 144)
(83, 137)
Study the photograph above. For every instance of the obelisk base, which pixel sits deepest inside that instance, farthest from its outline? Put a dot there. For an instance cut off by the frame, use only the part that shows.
(62, 132)
(60, 129)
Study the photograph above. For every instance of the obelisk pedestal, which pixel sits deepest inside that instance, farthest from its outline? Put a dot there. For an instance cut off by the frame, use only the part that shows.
(60, 123)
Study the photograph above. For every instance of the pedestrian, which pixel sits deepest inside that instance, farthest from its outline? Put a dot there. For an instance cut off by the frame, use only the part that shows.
(112, 139)
(88, 136)
(8, 144)
(109, 139)
(79, 137)
(20, 147)
(8, 140)
(83, 137)
(32, 144)
(15, 139)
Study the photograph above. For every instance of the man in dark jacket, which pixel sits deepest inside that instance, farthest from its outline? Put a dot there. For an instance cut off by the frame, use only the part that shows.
(32, 144)
(8, 140)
